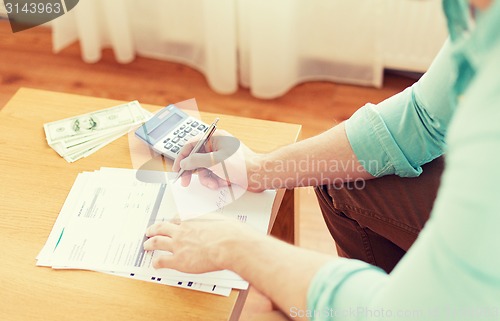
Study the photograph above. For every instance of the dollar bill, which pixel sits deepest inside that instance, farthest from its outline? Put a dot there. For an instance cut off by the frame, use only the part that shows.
(70, 158)
(64, 149)
(94, 123)
(80, 136)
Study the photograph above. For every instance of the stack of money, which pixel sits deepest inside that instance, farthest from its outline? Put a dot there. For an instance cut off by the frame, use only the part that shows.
(77, 137)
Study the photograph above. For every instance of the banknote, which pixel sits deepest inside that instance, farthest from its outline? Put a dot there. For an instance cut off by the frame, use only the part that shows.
(64, 149)
(95, 123)
(70, 158)
(80, 136)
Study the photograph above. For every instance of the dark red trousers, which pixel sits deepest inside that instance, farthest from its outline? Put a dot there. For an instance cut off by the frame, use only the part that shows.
(379, 220)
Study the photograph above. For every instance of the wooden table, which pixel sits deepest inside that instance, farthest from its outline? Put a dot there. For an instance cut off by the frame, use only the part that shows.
(34, 184)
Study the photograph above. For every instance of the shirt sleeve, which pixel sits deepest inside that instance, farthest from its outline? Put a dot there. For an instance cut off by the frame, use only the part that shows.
(403, 132)
(452, 271)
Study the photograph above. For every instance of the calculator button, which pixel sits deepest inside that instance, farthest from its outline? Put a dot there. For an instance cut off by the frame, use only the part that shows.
(180, 144)
(194, 133)
(182, 127)
(166, 140)
(176, 132)
(195, 124)
(202, 127)
(182, 135)
(175, 149)
(175, 140)
(189, 121)
(187, 130)
(168, 146)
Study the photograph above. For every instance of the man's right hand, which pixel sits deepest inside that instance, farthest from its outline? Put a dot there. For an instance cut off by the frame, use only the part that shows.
(224, 160)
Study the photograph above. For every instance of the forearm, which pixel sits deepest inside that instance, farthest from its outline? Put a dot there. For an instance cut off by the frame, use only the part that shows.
(278, 270)
(324, 159)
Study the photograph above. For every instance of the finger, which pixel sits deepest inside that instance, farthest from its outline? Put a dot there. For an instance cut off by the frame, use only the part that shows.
(184, 152)
(163, 228)
(186, 178)
(163, 243)
(164, 261)
(208, 179)
(211, 180)
(198, 160)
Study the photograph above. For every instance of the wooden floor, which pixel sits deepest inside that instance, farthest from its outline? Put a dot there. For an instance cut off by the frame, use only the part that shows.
(26, 60)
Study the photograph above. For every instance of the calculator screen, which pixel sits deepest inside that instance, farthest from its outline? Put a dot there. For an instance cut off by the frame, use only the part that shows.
(165, 126)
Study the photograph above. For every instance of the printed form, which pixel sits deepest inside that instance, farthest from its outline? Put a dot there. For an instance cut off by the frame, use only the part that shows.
(102, 225)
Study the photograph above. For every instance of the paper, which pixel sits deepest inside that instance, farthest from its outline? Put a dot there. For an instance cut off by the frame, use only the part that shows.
(102, 225)
(82, 135)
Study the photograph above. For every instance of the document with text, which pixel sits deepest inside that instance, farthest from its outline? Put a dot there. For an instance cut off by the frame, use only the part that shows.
(102, 224)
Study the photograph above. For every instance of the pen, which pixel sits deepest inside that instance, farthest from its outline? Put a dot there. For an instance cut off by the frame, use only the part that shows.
(201, 143)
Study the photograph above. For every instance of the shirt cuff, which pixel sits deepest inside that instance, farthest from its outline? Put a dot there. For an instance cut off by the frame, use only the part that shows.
(374, 146)
(334, 292)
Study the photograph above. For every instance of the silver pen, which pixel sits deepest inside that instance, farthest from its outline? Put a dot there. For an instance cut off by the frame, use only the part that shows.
(206, 137)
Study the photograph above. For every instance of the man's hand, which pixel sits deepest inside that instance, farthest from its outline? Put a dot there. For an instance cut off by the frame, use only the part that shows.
(223, 161)
(197, 246)
(281, 271)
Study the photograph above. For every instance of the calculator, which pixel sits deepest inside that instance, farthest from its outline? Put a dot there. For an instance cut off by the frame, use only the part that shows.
(169, 129)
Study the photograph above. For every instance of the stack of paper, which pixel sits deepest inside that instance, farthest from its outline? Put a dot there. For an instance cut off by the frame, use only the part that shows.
(102, 225)
(77, 137)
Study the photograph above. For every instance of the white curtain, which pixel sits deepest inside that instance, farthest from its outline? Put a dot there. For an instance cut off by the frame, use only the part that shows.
(266, 45)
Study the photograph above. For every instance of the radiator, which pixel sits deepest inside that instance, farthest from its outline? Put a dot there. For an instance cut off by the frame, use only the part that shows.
(411, 33)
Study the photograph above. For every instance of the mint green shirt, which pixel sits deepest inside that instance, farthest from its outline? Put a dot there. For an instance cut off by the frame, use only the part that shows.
(452, 272)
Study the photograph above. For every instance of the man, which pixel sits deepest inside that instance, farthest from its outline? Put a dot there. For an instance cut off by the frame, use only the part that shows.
(451, 272)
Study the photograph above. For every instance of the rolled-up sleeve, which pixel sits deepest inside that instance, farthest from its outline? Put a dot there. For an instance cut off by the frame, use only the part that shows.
(327, 299)
(400, 134)
(452, 271)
